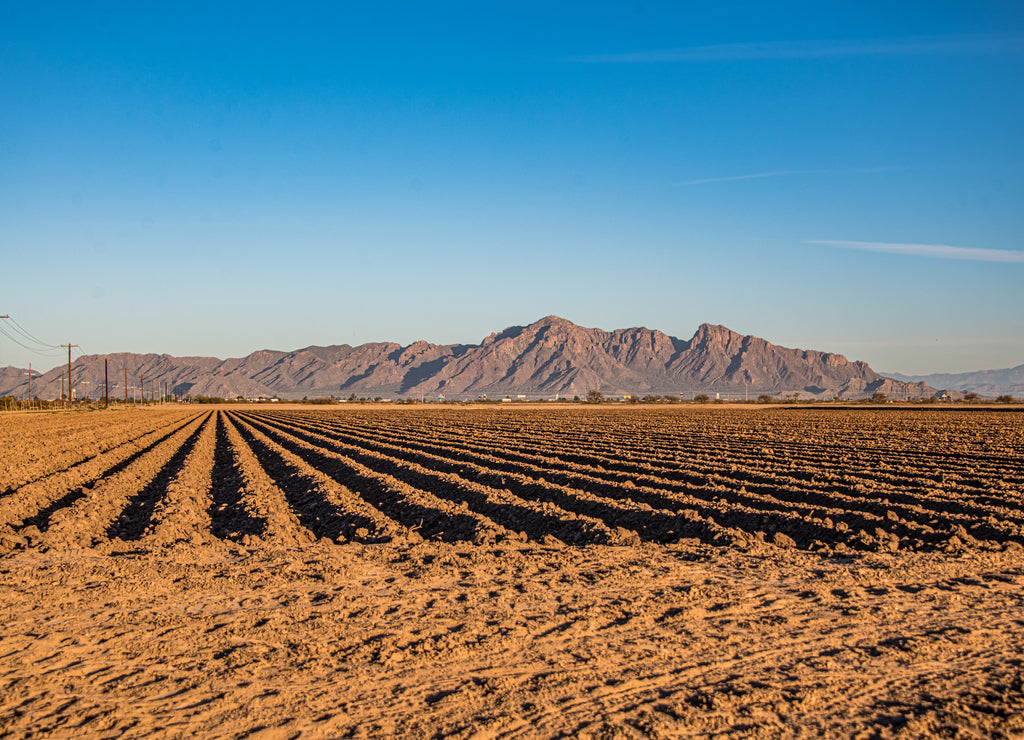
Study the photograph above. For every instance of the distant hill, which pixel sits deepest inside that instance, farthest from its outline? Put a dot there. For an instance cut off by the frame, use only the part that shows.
(551, 356)
(983, 382)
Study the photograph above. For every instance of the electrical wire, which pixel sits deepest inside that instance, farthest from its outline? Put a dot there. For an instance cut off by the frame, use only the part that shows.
(31, 337)
(41, 353)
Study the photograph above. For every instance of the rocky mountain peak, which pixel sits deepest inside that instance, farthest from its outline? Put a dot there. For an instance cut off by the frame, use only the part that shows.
(550, 356)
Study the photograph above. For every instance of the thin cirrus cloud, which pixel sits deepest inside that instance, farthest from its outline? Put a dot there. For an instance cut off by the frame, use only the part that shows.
(962, 44)
(787, 173)
(933, 251)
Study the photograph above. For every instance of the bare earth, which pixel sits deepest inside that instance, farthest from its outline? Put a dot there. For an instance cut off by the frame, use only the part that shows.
(512, 572)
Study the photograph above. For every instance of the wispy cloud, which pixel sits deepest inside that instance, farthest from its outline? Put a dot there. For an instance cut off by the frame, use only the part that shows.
(962, 44)
(788, 173)
(752, 176)
(934, 251)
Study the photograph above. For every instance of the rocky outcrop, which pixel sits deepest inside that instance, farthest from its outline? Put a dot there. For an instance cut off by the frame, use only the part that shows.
(551, 356)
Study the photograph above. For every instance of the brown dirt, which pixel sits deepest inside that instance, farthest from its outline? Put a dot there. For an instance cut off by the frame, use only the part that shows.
(512, 572)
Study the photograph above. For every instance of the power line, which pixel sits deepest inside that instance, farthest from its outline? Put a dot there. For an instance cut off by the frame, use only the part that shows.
(29, 335)
(42, 353)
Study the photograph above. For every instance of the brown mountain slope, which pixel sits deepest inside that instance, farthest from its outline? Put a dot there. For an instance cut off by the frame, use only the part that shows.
(550, 356)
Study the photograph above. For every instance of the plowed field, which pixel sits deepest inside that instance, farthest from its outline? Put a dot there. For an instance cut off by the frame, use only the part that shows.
(512, 572)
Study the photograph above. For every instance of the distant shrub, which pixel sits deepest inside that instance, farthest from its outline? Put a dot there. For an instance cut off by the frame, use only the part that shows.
(970, 397)
(701, 398)
(879, 397)
(765, 398)
(1005, 398)
(595, 397)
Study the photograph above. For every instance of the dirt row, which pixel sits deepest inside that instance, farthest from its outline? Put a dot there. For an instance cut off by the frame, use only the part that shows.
(747, 503)
(295, 477)
(37, 445)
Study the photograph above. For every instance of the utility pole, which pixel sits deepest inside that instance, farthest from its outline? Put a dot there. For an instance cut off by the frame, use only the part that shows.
(106, 385)
(30, 385)
(126, 386)
(142, 386)
(69, 346)
(5, 316)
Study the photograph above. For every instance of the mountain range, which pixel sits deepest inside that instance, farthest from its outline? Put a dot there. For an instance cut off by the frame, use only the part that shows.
(984, 382)
(549, 357)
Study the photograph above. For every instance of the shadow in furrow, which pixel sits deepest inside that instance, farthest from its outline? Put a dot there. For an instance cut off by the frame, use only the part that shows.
(665, 524)
(672, 517)
(762, 492)
(42, 518)
(173, 426)
(507, 514)
(429, 522)
(229, 519)
(320, 516)
(138, 514)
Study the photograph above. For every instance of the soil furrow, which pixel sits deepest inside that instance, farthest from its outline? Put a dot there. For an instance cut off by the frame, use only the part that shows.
(41, 456)
(419, 510)
(779, 494)
(59, 490)
(233, 511)
(710, 513)
(502, 506)
(137, 516)
(182, 513)
(324, 504)
(87, 519)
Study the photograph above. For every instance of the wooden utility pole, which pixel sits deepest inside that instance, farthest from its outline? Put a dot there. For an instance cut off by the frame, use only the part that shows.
(142, 387)
(106, 385)
(30, 385)
(126, 386)
(69, 346)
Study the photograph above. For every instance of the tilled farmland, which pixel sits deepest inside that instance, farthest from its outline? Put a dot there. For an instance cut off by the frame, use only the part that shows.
(512, 572)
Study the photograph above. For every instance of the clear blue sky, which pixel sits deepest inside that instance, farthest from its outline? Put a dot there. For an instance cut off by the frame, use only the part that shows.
(216, 178)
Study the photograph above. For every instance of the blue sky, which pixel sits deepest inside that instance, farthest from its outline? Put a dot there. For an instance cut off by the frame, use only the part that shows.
(212, 179)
